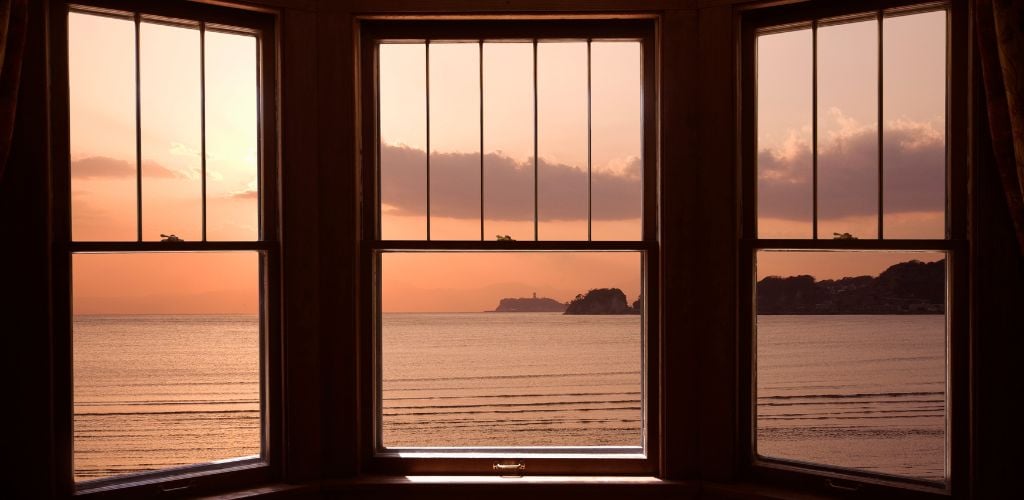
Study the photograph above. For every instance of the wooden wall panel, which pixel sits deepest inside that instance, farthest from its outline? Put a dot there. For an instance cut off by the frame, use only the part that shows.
(679, 138)
(338, 243)
(300, 260)
(717, 226)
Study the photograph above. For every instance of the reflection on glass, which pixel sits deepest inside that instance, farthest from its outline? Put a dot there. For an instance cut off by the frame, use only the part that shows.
(847, 130)
(232, 156)
(403, 141)
(784, 158)
(454, 141)
(166, 360)
(508, 140)
(914, 140)
(617, 134)
(171, 132)
(101, 70)
(851, 360)
(511, 349)
(562, 140)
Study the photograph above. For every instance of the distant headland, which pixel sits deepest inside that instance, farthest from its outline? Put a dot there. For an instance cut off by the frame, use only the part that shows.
(912, 287)
(603, 301)
(596, 301)
(530, 304)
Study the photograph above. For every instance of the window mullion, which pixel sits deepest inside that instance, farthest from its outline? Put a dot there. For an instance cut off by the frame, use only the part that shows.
(536, 213)
(590, 146)
(881, 125)
(481, 73)
(138, 132)
(814, 128)
(202, 119)
(426, 66)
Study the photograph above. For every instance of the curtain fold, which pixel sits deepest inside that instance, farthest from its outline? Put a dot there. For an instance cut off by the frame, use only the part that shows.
(13, 25)
(998, 27)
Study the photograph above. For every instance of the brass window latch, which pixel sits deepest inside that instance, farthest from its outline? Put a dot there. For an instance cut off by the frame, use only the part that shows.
(510, 469)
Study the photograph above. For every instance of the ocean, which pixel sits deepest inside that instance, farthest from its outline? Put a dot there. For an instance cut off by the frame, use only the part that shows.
(866, 392)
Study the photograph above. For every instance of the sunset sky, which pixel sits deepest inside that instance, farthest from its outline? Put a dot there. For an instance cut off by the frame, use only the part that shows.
(102, 74)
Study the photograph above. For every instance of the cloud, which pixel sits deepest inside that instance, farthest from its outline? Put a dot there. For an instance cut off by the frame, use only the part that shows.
(103, 167)
(913, 158)
(509, 185)
(246, 194)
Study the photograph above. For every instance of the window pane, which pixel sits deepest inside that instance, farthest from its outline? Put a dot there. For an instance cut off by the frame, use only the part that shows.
(481, 349)
(851, 360)
(232, 146)
(101, 70)
(166, 360)
(848, 130)
(171, 132)
(508, 140)
(914, 147)
(562, 140)
(454, 141)
(785, 199)
(403, 141)
(616, 141)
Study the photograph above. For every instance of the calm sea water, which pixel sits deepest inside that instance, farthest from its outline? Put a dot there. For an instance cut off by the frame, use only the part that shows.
(865, 392)
(854, 391)
(153, 392)
(510, 379)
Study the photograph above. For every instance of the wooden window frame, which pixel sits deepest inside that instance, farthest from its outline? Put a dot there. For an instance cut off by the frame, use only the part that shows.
(577, 461)
(832, 479)
(204, 477)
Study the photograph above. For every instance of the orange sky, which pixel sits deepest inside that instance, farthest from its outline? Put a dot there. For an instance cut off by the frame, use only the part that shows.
(103, 160)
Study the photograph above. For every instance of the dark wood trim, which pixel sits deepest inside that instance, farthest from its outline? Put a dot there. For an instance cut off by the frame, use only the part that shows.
(60, 209)
(339, 176)
(510, 246)
(179, 10)
(716, 261)
(367, 276)
(756, 15)
(958, 116)
(678, 212)
(866, 244)
(157, 246)
(564, 8)
(302, 446)
(747, 158)
(269, 179)
(508, 29)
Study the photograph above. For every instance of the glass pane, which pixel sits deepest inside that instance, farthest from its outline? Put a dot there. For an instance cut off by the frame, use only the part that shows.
(511, 349)
(101, 70)
(914, 147)
(851, 360)
(562, 140)
(232, 144)
(171, 132)
(848, 130)
(508, 140)
(403, 141)
(454, 141)
(166, 360)
(785, 191)
(616, 141)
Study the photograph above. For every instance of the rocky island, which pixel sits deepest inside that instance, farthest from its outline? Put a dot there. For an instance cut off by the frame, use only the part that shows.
(530, 304)
(912, 287)
(603, 301)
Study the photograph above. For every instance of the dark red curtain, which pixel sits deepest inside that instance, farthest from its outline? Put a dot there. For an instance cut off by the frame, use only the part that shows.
(13, 23)
(998, 24)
